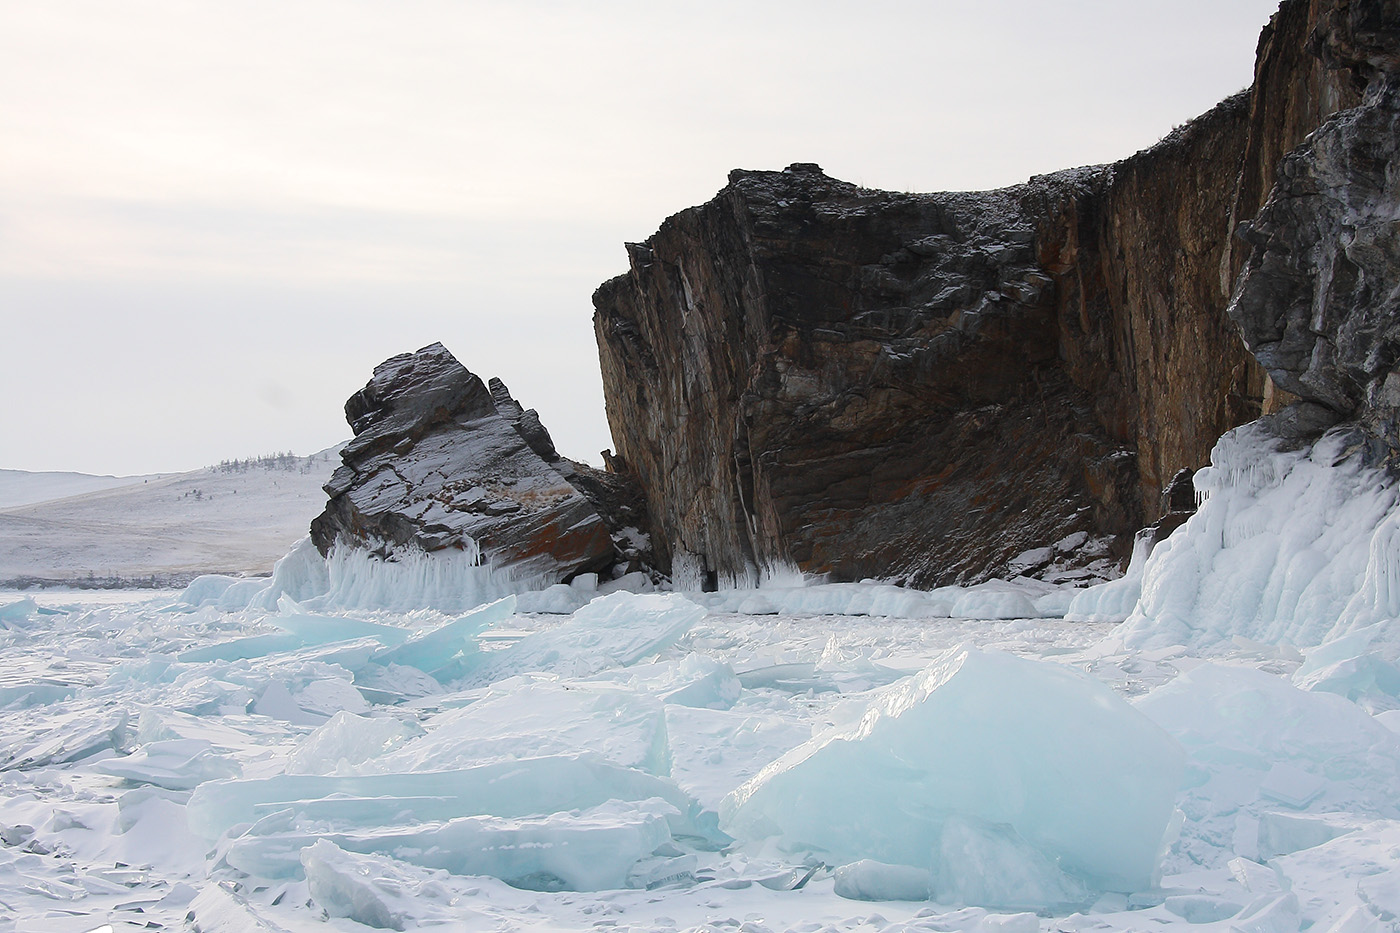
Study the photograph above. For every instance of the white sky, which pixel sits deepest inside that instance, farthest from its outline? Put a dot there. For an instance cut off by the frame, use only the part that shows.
(216, 218)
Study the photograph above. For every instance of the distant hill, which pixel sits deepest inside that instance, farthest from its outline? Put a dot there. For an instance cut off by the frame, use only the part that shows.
(21, 487)
(159, 530)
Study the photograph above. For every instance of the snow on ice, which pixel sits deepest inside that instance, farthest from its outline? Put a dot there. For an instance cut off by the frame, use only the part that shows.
(356, 743)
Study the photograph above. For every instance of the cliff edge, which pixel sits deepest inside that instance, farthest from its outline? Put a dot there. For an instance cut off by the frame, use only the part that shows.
(947, 387)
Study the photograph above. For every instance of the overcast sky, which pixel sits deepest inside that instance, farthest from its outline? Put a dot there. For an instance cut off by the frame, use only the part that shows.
(216, 218)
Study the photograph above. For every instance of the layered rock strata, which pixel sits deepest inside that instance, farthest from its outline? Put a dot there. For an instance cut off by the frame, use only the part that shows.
(806, 371)
(865, 383)
(440, 461)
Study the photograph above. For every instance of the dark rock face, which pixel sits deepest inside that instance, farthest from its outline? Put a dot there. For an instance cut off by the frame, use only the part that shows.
(925, 386)
(1319, 299)
(805, 370)
(1178, 505)
(440, 461)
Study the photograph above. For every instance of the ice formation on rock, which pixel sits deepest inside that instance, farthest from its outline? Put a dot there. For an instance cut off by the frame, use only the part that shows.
(1292, 547)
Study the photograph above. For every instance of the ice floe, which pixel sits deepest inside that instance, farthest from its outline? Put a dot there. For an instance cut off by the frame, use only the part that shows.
(1008, 765)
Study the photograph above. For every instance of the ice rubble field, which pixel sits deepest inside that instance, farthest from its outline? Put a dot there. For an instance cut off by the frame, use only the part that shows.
(309, 753)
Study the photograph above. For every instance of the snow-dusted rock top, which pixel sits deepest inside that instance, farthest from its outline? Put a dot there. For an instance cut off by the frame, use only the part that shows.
(435, 465)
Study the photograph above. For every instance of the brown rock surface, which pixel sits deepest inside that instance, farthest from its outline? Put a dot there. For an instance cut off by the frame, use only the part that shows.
(440, 461)
(924, 386)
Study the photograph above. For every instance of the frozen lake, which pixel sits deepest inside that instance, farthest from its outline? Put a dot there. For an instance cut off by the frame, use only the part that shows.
(167, 766)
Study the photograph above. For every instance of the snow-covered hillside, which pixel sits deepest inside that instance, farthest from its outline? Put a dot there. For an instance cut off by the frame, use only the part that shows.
(238, 517)
(21, 487)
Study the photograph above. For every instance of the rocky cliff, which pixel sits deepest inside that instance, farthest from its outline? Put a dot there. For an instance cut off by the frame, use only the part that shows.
(1318, 301)
(866, 383)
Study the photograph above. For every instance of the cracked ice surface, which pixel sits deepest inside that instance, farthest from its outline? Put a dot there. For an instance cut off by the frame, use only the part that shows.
(278, 768)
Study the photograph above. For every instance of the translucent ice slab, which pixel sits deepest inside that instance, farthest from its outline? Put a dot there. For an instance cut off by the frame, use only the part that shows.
(506, 789)
(1253, 735)
(375, 890)
(347, 740)
(176, 764)
(15, 614)
(869, 880)
(323, 630)
(545, 718)
(432, 651)
(612, 631)
(243, 649)
(591, 850)
(714, 751)
(1056, 759)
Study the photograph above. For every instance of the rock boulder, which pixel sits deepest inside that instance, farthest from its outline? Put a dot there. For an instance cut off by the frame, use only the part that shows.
(439, 461)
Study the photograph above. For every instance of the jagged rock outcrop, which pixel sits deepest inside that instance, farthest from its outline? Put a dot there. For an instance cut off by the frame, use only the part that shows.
(1319, 299)
(439, 461)
(926, 386)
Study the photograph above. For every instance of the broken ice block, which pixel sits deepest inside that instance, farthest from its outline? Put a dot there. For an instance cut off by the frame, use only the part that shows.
(1251, 733)
(504, 788)
(869, 880)
(991, 865)
(1256, 878)
(243, 649)
(621, 725)
(712, 751)
(347, 740)
(1274, 914)
(1201, 908)
(1353, 666)
(712, 684)
(175, 764)
(70, 736)
(1292, 785)
(36, 693)
(374, 890)
(1056, 757)
(323, 630)
(1285, 833)
(12, 615)
(591, 850)
(432, 651)
(612, 631)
